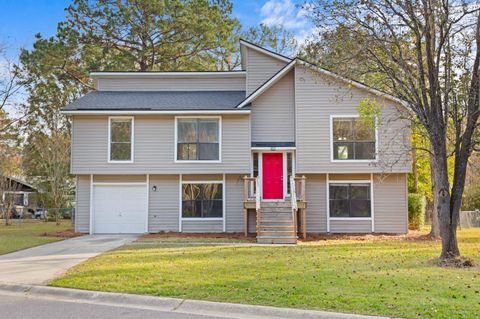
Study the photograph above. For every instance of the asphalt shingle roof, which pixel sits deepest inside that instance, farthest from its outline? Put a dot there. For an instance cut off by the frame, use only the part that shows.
(158, 100)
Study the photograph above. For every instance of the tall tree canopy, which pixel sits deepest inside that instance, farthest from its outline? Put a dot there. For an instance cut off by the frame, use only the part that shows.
(428, 52)
(154, 34)
(276, 38)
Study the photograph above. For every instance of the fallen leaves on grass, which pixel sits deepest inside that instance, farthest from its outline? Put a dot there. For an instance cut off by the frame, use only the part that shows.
(67, 233)
(458, 262)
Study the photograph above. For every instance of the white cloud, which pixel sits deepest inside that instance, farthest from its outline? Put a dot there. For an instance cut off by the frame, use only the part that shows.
(283, 12)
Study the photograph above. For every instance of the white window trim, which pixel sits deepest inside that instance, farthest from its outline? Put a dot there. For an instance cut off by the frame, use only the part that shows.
(132, 144)
(183, 182)
(332, 160)
(367, 181)
(175, 156)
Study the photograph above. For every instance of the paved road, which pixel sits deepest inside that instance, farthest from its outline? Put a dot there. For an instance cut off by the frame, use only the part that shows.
(21, 307)
(39, 265)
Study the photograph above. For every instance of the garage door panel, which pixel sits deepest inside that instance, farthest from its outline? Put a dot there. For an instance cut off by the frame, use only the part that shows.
(119, 209)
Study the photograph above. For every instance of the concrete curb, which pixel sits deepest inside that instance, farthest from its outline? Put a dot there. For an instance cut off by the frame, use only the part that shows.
(195, 307)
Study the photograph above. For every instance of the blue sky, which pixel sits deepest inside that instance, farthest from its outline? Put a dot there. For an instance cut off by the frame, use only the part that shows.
(20, 20)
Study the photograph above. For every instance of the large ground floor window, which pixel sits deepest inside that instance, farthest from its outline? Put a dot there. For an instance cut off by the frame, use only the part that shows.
(350, 200)
(202, 200)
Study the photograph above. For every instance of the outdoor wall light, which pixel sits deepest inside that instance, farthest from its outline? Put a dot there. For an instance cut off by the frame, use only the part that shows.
(154, 188)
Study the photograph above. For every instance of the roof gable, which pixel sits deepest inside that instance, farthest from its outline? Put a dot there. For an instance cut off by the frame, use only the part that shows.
(282, 72)
(244, 44)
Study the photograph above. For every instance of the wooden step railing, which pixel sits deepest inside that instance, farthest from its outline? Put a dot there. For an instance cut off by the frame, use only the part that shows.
(251, 193)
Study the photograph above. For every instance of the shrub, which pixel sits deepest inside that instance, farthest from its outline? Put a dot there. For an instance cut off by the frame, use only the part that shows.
(416, 210)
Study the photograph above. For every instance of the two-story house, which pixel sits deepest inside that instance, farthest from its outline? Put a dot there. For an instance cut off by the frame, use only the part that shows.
(276, 148)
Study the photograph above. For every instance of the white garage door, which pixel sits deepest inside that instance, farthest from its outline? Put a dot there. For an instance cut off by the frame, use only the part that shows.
(119, 209)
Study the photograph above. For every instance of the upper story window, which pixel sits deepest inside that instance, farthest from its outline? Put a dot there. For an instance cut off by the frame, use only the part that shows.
(353, 139)
(198, 139)
(120, 139)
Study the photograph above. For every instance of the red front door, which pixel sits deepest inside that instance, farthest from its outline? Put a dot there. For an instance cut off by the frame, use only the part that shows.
(272, 175)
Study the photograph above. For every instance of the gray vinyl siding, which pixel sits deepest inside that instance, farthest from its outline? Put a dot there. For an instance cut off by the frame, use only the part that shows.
(82, 209)
(316, 203)
(349, 177)
(391, 203)
(273, 113)
(317, 98)
(350, 226)
(163, 209)
(202, 177)
(119, 178)
(202, 226)
(154, 147)
(206, 83)
(260, 68)
(234, 203)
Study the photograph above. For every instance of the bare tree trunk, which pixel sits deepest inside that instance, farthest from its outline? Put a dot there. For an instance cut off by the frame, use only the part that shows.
(6, 215)
(447, 216)
(435, 229)
(415, 170)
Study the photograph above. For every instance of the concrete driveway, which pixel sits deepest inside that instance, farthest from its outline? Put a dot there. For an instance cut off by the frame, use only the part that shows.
(39, 265)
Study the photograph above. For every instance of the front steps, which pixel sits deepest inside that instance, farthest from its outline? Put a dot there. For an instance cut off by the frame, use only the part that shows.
(275, 224)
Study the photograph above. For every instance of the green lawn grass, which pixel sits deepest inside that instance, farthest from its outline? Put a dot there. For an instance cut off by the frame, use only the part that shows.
(381, 277)
(185, 240)
(27, 233)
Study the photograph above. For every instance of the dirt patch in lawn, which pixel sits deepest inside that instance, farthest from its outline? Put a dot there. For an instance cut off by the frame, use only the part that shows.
(413, 235)
(67, 233)
(458, 262)
(240, 236)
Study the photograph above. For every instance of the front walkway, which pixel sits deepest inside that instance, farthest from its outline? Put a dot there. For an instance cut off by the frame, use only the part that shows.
(39, 265)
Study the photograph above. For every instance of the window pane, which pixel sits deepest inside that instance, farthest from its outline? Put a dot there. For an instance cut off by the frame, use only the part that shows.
(208, 131)
(364, 150)
(360, 191)
(208, 151)
(364, 131)
(343, 150)
(349, 200)
(187, 151)
(353, 138)
(120, 151)
(191, 192)
(360, 208)
(187, 131)
(202, 200)
(212, 191)
(339, 191)
(342, 130)
(255, 164)
(191, 208)
(339, 208)
(121, 130)
(212, 208)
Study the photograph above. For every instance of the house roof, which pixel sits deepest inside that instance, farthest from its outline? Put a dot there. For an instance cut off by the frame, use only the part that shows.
(265, 86)
(283, 71)
(19, 185)
(148, 102)
(169, 74)
(157, 101)
(246, 44)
